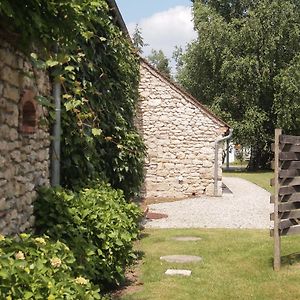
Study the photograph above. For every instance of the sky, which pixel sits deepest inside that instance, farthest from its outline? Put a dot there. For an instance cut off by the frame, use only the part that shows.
(164, 23)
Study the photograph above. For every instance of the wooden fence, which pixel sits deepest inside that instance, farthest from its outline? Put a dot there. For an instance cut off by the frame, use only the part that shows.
(286, 197)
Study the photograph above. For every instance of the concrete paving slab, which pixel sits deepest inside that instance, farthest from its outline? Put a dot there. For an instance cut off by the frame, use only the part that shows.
(181, 258)
(174, 272)
(187, 238)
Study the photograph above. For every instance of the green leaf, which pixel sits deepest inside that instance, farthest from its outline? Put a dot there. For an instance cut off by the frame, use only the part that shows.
(96, 131)
(34, 56)
(69, 68)
(52, 63)
(28, 295)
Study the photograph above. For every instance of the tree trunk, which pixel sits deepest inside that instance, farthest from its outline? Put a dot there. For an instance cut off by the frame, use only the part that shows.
(260, 158)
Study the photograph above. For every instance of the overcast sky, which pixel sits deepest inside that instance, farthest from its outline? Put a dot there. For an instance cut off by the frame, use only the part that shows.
(164, 23)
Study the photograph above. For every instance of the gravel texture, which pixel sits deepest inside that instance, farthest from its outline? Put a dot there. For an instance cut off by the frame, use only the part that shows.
(247, 207)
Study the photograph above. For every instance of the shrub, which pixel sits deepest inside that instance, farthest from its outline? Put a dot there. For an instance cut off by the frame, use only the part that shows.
(97, 224)
(36, 268)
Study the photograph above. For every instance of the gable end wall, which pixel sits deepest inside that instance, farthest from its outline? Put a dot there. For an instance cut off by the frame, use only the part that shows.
(179, 136)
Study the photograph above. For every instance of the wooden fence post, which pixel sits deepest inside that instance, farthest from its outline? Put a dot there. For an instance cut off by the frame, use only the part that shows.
(277, 246)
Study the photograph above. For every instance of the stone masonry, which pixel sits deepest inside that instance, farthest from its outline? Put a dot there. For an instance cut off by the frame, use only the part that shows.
(180, 135)
(24, 154)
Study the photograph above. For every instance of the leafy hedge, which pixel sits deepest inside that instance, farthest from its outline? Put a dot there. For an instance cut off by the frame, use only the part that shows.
(97, 224)
(37, 268)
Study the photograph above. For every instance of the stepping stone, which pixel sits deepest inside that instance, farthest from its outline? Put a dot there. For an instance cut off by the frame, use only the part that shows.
(181, 258)
(173, 272)
(186, 238)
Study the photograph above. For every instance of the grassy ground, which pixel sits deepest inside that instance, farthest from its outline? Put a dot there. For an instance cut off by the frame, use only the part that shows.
(237, 264)
(261, 178)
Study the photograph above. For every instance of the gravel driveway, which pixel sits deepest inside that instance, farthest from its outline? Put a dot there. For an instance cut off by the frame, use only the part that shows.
(247, 207)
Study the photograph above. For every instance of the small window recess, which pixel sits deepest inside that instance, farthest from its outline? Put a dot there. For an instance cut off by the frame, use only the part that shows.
(28, 113)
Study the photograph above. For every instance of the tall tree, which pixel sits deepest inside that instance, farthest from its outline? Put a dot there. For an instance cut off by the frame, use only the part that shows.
(245, 65)
(160, 61)
(177, 55)
(137, 39)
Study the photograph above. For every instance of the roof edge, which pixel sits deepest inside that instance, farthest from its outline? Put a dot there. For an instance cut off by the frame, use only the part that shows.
(118, 17)
(183, 92)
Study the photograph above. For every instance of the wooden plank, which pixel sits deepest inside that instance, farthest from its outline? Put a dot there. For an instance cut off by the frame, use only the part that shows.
(286, 181)
(289, 139)
(290, 165)
(287, 223)
(290, 181)
(277, 246)
(295, 197)
(289, 173)
(287, 190)
(287, 206)
(291, 231)
(291, 148)
(286, 148)
(284, 156)
(292, 214)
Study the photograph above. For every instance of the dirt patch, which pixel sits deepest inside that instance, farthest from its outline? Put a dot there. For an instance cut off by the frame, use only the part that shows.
(155, 216)
(132, 283)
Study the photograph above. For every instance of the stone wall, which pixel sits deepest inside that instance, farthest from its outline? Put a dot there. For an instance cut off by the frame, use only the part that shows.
(179, 134)
(24, 145)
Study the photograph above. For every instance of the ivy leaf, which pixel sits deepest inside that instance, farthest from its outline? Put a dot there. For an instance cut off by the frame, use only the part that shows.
(52, 63)
(34, 56)
(45, 102)
(69, 68)
(96, 131)
(88, 34)
(67, 96)
(72, 104)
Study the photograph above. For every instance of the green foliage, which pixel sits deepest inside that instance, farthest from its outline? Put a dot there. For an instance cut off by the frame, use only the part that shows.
(244, 65)
(177, 56)
(98, 70)
(138, 40)
(97, 225)
(160, 62)
(37, 268)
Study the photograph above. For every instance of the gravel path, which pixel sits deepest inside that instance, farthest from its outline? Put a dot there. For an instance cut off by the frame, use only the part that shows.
(247, 207)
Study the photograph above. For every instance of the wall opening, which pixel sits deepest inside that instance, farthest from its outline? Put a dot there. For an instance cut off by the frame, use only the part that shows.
(28, 113)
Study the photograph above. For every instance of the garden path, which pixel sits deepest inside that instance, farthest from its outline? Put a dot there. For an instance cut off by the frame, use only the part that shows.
(247, 207)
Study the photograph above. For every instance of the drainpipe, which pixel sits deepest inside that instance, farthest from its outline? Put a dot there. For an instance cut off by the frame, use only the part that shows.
(217, 142)
(55, 156)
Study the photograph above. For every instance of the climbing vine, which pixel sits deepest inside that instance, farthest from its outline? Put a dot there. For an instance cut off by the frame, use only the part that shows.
(78, 42)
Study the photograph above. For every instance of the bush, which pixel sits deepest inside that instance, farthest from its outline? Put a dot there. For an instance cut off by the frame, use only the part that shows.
(36, 268)
(97, 224)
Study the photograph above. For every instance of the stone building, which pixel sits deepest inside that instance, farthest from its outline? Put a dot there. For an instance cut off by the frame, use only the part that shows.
(180, 136)
(24, 143)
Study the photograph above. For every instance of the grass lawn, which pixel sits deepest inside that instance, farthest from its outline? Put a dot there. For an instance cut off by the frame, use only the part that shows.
(237, 264)
(261, 178)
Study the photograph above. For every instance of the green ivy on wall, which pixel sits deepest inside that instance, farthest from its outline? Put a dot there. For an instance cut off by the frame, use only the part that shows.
(99, 73)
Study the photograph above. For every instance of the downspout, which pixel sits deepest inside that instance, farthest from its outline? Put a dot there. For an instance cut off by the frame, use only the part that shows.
(217, 142)
(55, 155)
